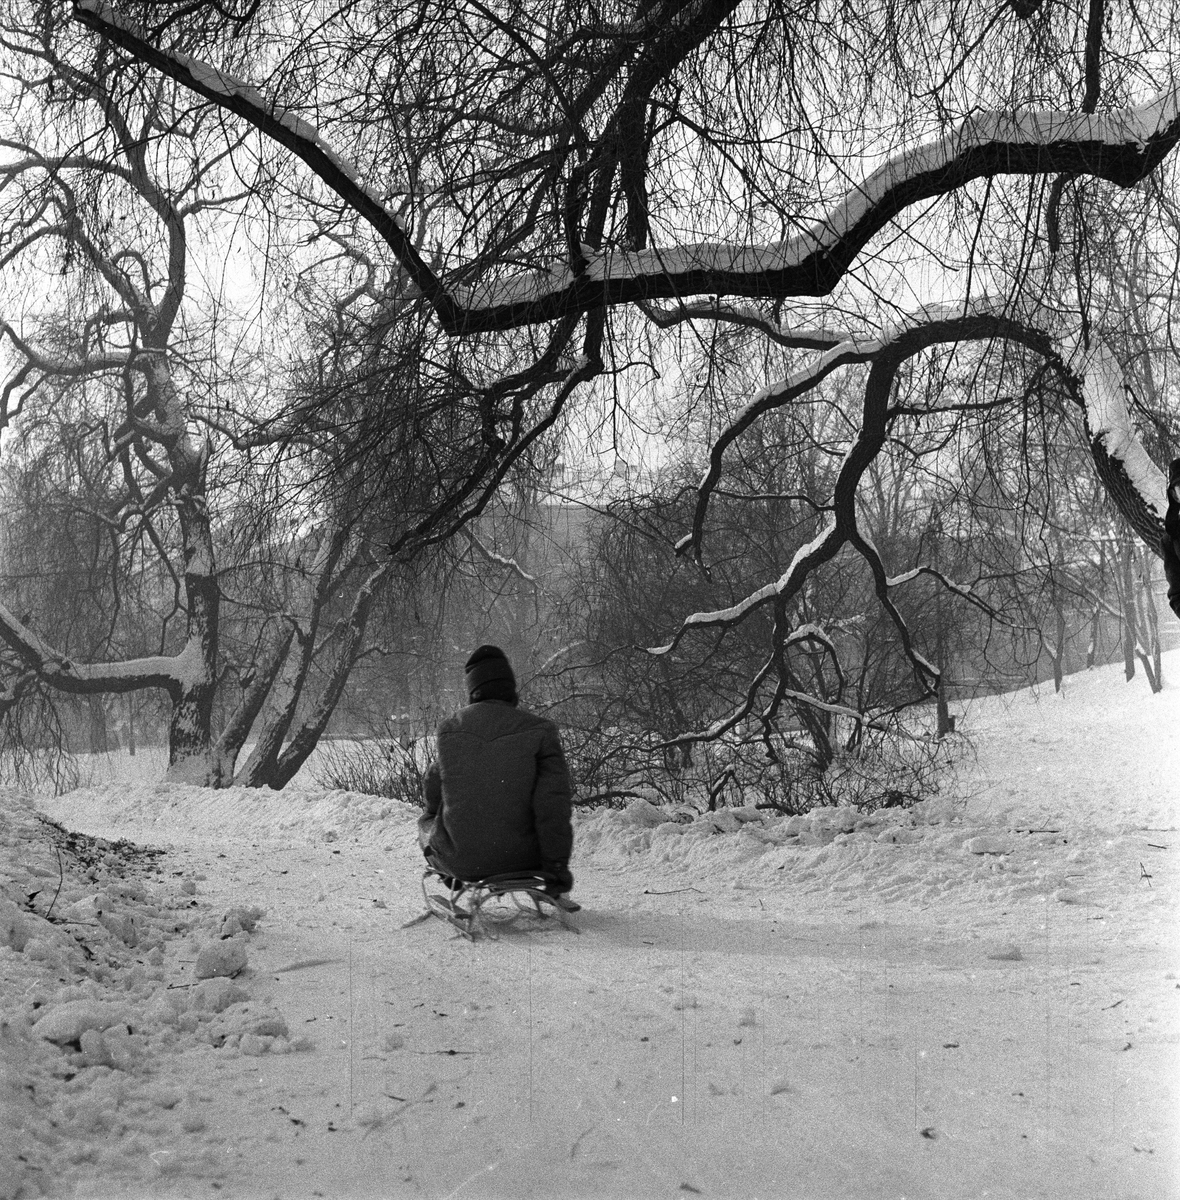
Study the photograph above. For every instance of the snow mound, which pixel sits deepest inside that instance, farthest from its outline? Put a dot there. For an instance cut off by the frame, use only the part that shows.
(1025, 817)
(98, 997)
(151, 809)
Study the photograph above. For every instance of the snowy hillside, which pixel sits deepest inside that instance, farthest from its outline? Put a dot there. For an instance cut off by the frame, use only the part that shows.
(974, 997)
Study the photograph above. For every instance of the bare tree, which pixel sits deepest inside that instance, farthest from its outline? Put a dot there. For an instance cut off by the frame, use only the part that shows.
(138, 408)
(574, 193)
(95, 201)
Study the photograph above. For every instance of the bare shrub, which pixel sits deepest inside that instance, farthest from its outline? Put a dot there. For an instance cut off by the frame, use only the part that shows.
(885, 771)
(377, 766)
(884, 768)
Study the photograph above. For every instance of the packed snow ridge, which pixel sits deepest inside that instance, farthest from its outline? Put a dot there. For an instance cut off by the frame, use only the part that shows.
(112, 968)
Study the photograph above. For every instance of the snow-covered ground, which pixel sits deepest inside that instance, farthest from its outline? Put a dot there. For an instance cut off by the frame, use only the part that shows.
(977, 997)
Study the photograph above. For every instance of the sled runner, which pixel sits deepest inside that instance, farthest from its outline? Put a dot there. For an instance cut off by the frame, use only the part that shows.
(473, 906)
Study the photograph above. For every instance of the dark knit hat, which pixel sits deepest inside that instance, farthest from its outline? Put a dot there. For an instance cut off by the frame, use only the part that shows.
(487, 671)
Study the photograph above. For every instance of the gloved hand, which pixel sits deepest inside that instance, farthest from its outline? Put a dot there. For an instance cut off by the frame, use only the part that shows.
(561, 872)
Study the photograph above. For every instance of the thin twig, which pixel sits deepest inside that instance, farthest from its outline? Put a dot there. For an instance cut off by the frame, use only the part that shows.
(60, 877)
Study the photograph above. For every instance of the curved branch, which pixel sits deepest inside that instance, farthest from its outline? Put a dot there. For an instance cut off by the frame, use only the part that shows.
(1120, 146)
(798, 383)
(15, 381)
(15, 690)
(724, 724)
(749, 318)
(58, 671)
(826, 545)
(963, 590)
(1093, 379)
(501, 560)
(915, 332)
(927, 673)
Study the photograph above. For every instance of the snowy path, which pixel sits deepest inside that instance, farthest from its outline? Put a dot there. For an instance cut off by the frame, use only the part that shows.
(802, 1061)
(806, 1016)
(681, 1042)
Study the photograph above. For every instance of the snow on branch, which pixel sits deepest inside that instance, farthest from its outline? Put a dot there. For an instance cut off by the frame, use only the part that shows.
(724, 724)
(1136, 484)
(91, 365)
(59, 671)
(811, 633)
(510, 564)
(819, 550)
(964, 590)
(560, 653)
(1093, 377)
(1121, 146)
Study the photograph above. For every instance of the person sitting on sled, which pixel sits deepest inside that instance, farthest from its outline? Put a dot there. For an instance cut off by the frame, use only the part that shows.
(498, 793)
(1171, 541)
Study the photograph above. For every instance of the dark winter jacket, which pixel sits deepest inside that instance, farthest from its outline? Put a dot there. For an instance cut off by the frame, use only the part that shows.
(1171, 546)
(498, 795)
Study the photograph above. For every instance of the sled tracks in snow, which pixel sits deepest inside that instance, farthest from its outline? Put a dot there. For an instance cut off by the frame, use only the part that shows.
(476, 907)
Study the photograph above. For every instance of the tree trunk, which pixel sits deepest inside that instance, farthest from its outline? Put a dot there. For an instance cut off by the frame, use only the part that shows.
(1096, 619)
(254, 694)
(946, 723)
(281, 707)
(1129, 635)
(290, 674)
(1059, 647)
(1150, 654)
(1092, 645)
(99, 742)
(190, 738)
(352, 635)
